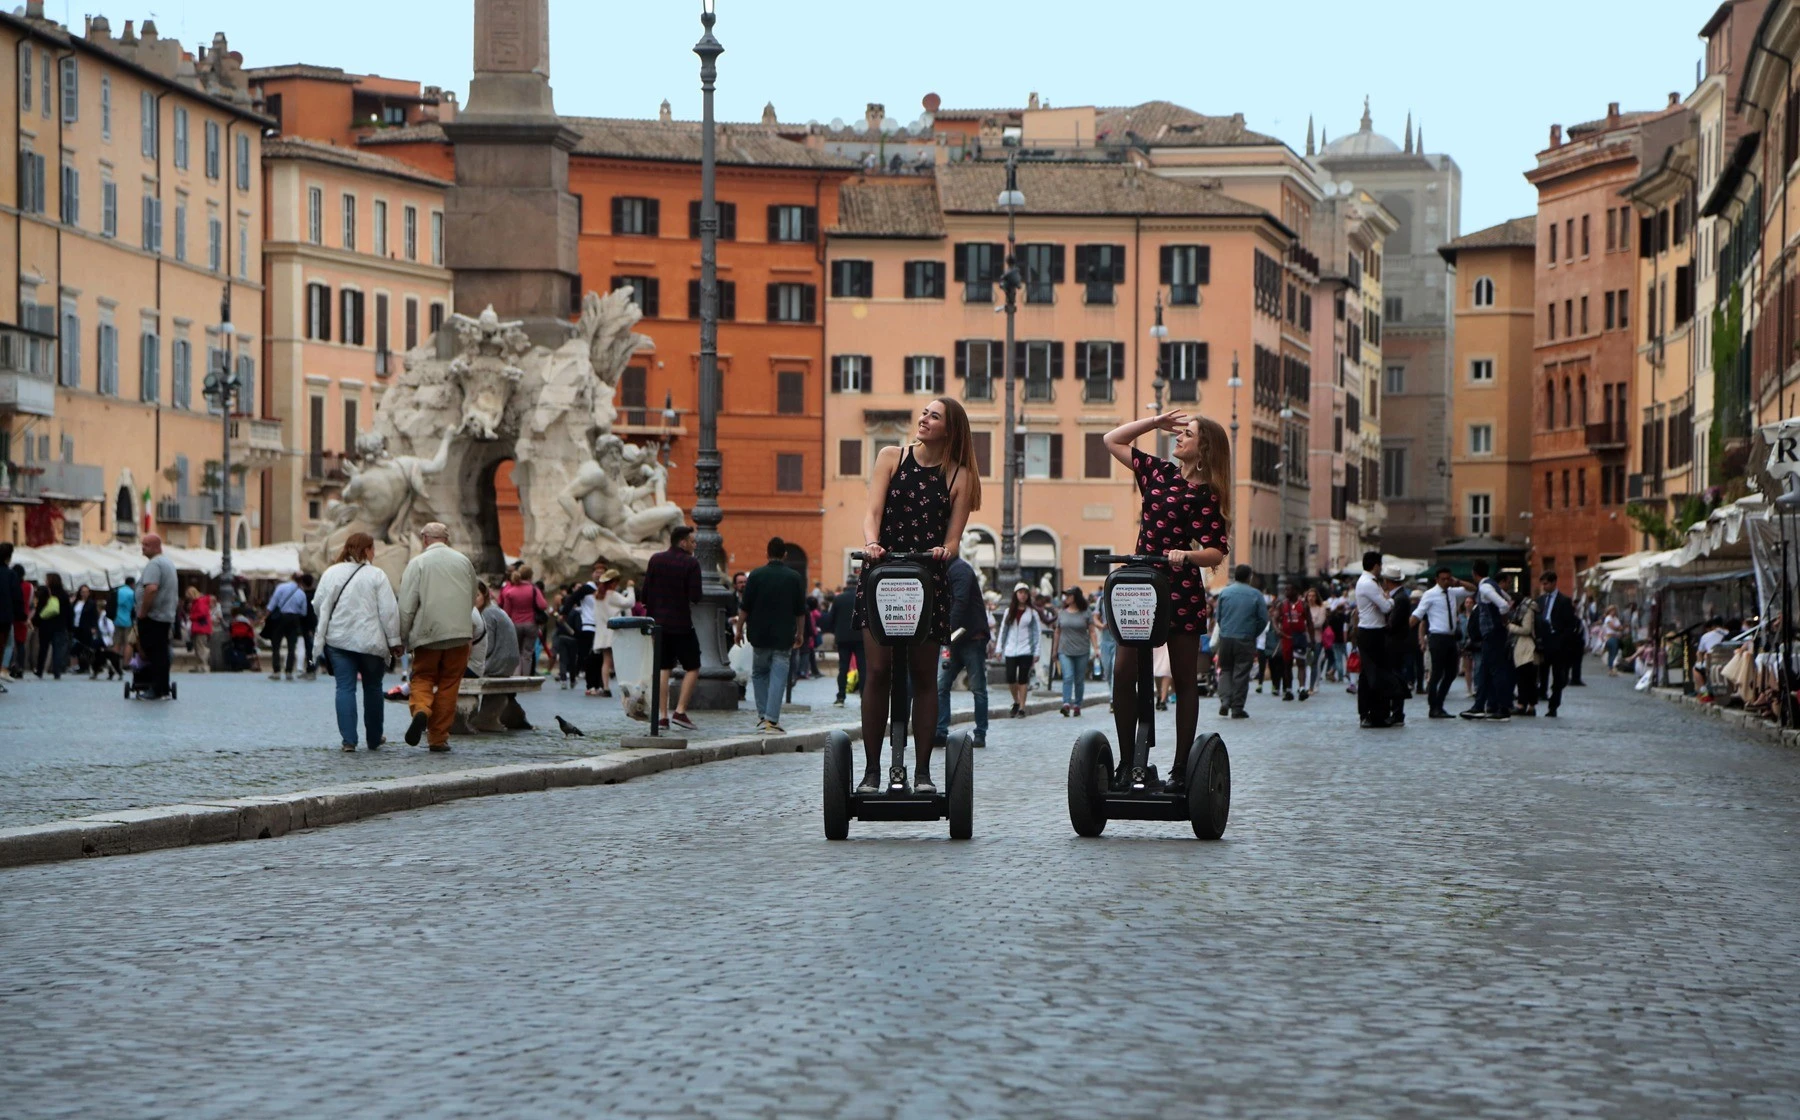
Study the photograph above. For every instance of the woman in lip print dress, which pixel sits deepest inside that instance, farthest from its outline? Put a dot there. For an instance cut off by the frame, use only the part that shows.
(920, 497)
(1186, 518)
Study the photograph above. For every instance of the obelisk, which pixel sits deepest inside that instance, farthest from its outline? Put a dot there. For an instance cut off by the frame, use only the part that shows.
(510, 223)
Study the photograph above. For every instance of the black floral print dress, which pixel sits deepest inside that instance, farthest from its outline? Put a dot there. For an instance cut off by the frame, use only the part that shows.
(1181, 515)
(915, 518)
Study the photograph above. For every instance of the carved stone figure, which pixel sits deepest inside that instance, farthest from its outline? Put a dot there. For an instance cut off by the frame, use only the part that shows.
(601, 502)
(446, 427)
(483, 366)
(381, 492)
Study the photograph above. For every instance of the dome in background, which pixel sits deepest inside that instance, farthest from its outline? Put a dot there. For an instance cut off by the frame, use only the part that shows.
(1365, 141)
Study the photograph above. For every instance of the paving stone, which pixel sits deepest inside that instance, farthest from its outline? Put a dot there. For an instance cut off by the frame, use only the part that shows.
(1588, 916)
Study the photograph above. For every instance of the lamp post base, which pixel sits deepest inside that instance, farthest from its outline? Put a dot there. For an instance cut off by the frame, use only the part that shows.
(717, 689)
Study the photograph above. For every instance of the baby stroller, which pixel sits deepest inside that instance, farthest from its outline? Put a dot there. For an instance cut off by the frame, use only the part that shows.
(137, 684)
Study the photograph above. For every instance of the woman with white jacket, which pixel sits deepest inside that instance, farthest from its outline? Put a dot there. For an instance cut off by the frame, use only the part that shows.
(1020, 632)
(359, 626)
(609, 603)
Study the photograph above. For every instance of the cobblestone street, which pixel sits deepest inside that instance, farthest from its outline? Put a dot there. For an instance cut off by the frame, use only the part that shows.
(1589, 916)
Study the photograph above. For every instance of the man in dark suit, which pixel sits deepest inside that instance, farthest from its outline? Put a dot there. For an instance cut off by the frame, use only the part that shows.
(1557, 629)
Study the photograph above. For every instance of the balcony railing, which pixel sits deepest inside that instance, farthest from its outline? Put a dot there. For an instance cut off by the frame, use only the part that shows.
(325, 466)
(978, 389)
(384, 363)
(1040, 389)
(1606, 436)
(74, 482)
(1184, 295)
(978, 291)
(1100, 292)
(26, 382)
(1096, 390)
(188, 509)
(256, 442)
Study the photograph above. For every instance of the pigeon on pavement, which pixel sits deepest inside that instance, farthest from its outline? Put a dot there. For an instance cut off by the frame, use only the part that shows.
(569, 730)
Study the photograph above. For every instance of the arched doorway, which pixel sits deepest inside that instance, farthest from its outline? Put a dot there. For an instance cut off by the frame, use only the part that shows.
(489, 487)
(1037, 559)
(124, 512)
(795, 558)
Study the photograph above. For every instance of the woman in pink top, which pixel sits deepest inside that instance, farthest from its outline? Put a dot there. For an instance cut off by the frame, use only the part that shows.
(523, 602)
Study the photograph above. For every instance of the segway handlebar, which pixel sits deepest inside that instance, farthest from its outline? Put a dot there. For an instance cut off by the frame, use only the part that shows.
(1136, 558)
(912, 557)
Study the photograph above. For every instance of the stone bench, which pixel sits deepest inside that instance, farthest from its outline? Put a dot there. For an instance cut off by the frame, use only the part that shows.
(489, 705)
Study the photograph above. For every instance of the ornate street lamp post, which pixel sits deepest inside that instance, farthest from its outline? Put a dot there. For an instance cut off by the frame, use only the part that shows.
(1012, 200)
(1235, 384)
(717, 688)
(1159, 334)
(222, 389)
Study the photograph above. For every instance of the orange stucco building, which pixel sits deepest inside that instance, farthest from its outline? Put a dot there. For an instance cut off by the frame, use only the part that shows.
(638, 184)
(1492, 380)
(911, 315)
(1587, 323)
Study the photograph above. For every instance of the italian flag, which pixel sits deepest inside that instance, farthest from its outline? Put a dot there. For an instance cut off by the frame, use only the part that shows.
(147, 507)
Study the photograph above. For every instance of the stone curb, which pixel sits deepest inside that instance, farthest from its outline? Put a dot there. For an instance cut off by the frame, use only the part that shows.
(1745, 721)
(129, 831)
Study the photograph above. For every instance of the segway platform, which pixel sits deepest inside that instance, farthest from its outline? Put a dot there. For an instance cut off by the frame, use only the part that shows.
(1137, 609)
(899, 604)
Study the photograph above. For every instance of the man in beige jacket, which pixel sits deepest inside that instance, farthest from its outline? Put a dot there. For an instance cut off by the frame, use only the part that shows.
(437, 596)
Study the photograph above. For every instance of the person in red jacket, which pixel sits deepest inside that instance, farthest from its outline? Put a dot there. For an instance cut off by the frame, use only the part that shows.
(524, 603)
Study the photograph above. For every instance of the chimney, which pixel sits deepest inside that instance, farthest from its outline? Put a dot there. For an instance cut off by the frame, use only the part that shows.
(99, 29)
(1556, 136)
(665, 114)
(130, 35)
(1674, 99)
(769, 118)
(1612, 112)
(149, 34)
(874, 115)
(34, 9)
(1032, 101)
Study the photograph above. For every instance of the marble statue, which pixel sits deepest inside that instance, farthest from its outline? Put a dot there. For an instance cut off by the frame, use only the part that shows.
(448, 424)
(383, 488)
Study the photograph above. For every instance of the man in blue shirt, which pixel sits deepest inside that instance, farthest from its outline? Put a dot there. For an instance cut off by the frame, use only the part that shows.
(1241, 614)
(124, 616)
(287, 619)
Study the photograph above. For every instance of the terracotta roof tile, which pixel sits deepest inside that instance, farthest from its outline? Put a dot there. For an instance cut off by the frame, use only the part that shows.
(746, 145)
(1519, 233)
(295, 148)
(901, 208)
(298, 70)
(1083, 188)
(1164, 124)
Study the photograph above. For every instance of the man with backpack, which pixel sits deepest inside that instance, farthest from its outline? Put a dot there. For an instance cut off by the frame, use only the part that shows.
(1493, 661)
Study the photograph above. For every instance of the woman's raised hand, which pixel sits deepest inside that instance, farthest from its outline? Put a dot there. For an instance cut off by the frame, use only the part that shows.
(1173, 420)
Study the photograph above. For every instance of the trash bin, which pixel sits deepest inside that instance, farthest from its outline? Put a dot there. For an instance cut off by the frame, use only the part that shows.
(635, 643)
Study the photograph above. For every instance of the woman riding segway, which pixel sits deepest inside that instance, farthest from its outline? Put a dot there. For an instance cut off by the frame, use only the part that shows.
(920, 497)
(1186, 514)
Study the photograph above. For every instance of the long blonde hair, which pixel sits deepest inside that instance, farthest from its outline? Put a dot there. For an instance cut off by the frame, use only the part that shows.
(1215, 461)
(959, 449)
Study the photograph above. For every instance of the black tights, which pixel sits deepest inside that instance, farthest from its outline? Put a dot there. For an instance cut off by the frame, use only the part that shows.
(1184, 667)
(878, 672)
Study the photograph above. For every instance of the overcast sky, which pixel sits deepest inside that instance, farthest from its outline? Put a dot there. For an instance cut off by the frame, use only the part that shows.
(1486, 81)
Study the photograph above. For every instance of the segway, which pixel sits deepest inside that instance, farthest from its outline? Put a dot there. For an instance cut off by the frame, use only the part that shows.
(898, 600)
(1137, 612)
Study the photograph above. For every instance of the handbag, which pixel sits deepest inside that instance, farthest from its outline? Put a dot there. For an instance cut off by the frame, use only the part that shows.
(52, 608)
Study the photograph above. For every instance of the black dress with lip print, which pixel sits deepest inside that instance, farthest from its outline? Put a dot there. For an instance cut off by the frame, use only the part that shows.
(1178, 514)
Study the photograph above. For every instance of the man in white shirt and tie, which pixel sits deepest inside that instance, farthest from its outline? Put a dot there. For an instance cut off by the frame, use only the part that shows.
(1437, 613)
(1374, 702)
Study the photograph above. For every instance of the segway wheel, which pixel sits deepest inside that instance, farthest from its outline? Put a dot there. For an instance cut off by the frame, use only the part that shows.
(837, 786)
(959, 784)
(1209, 788)
(174, 691)
(127, 688)
(1090, 769)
